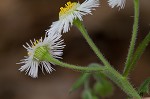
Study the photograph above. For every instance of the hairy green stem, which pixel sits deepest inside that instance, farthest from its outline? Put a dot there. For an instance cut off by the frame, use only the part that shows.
(133, 39)
(49, 58)
(110, 72)
(122, 82)
(82, 29)
(106, 70)
(139, 51)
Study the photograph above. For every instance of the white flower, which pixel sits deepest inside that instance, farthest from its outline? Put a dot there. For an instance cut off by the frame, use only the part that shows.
(71, 11)
(51, 44)
(117, 3)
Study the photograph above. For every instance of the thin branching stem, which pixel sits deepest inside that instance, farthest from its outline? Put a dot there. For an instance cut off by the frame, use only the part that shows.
(127, 68)
(109, 71)
(82, 29)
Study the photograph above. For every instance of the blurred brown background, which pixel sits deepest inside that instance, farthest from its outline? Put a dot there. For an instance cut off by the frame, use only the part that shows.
(22, 20)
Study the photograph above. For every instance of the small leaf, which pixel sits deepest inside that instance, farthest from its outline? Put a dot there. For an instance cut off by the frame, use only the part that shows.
(139, 51)
(79, 82)
(102, 87)
(95, 65)
(94, 97)
(84, 77)
(144, 87)
(99, 76)
(87, 94)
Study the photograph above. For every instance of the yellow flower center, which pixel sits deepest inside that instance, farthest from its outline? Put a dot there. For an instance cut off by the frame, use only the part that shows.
(68, 7)
(35, 43)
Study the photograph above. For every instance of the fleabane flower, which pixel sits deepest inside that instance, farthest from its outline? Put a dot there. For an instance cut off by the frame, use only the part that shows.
(52, 45)
(71, 11)
(117, 3)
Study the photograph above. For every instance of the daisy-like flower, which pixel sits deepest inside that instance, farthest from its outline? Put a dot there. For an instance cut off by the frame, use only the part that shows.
(71, 11)
(53, 45)
(117, 3)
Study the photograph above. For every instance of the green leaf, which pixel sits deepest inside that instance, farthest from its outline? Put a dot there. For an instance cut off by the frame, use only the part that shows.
(94, 97)
(139, 51)
(95, 65)
(84, 77)
(144, 87)
(79, 82)
(102, 87)
(87, 94)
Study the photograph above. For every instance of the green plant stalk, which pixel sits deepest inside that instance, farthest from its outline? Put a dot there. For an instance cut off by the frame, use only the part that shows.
(139, 51)
(119, 80)
(86, 84)
(82, 29)
(81, 80)
(107, 71)
(49, 58)
(133, 39)
(144, 87)
(122, 82)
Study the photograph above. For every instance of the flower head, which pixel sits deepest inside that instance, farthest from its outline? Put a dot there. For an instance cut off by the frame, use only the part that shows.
(52, 45)
(117, 3)
(71, 11)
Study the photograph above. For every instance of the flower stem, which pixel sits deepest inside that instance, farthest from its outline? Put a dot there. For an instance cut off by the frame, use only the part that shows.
(139, 51)
(122, 82)
(48, 58)
(110, 72)
(82, 29)
(127, 68)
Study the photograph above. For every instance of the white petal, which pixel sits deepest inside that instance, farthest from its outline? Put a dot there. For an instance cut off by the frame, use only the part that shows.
(31, 63)
(77, 11)
(117, 3)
